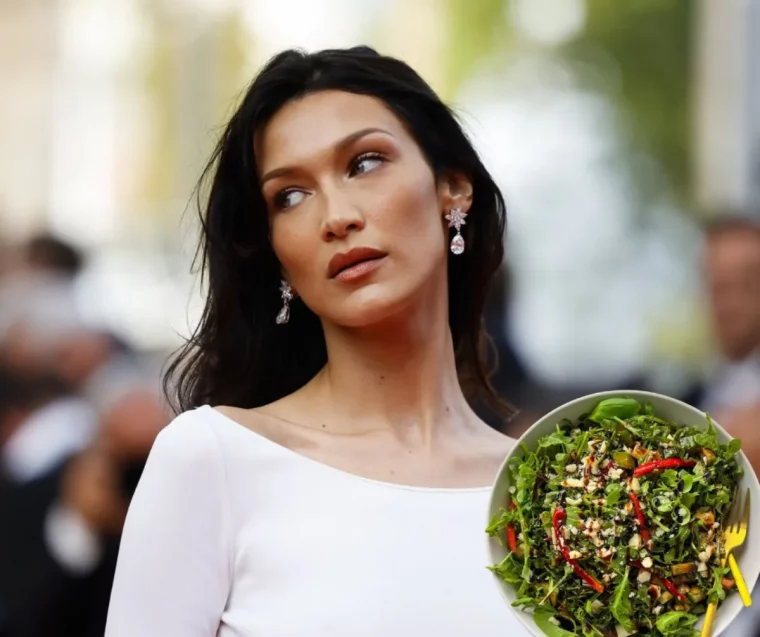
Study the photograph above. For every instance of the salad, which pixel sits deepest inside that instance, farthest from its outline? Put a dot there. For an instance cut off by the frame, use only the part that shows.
(614, 524)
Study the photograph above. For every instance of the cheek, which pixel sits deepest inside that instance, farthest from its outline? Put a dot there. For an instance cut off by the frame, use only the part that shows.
(408, 215)
(293, 242)
(296, 253)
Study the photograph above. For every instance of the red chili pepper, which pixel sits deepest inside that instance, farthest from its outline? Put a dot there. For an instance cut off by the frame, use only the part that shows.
(511, 536)
(557, 519)
(672, 588)
(665, 581)
(585, 576)
(639, 516)
(657, 465)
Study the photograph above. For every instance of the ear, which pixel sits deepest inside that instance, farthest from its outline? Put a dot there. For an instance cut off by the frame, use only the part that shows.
(455, 191)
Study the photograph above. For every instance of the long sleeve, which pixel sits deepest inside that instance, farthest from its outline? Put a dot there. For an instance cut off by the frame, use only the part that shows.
(173, 571)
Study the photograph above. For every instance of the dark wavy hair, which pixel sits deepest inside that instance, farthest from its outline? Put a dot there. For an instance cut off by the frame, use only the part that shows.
(238, 355)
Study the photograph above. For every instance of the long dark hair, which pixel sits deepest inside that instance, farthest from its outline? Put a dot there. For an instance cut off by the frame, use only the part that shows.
(238, 355)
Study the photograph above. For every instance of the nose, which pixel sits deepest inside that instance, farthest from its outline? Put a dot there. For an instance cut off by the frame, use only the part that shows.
(341, 218)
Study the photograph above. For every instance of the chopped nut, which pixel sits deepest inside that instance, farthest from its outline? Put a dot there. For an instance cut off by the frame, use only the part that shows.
(647, 562)
(643, 577)
(571, 468)
(615, 474)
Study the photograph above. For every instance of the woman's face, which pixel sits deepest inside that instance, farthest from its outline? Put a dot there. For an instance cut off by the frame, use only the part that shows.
(356, 214)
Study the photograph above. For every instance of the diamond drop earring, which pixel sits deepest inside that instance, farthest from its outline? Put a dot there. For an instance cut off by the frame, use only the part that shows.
(456, 219)
(286, 293)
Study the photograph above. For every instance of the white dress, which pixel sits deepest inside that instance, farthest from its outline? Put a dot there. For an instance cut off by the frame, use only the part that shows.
(231, 534)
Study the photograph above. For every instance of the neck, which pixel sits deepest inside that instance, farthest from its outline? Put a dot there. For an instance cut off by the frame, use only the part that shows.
(400, 375)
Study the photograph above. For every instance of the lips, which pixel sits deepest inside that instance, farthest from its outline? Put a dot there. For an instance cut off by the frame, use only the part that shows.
(345, 260)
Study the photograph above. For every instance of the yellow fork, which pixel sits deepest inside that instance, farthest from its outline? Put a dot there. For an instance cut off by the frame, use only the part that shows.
(733, 536)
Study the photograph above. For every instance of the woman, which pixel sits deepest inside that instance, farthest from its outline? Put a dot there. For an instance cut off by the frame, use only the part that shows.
(338, 487)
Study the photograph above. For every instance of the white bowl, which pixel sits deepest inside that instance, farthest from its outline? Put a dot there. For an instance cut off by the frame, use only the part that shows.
(668, 408)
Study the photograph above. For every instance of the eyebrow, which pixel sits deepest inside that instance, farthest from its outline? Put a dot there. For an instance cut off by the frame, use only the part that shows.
(341, 145)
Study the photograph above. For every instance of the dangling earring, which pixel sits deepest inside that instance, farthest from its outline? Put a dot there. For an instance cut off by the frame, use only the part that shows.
(286, 293)
(456, 219)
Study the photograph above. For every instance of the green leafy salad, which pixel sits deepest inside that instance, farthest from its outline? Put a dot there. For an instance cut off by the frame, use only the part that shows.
(614, 524)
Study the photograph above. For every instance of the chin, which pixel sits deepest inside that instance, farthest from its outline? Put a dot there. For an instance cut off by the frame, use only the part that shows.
(368, 306)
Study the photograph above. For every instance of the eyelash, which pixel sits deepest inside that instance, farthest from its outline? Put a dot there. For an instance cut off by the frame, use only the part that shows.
(280, 197)
(363, 157)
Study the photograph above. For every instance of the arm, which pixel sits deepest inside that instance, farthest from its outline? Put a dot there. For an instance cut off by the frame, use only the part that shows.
(173, 571)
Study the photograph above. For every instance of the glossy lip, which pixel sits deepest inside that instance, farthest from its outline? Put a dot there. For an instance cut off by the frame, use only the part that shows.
(342, 262)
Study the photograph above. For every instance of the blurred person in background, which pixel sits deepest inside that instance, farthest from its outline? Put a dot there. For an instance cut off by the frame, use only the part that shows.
(71, 358)
(21, 398)
(328, 475)
(732, 274)
(58, 556)
(43, 335)
(75, 431)
(37, 300)
(49, 254)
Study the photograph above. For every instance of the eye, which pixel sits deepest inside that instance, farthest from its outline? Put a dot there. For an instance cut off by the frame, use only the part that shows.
(365, 163)
(288, 198)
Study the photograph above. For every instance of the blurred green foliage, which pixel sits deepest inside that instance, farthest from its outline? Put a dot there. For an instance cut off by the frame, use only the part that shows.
(650, 42)
(638, 53)
(477, 29)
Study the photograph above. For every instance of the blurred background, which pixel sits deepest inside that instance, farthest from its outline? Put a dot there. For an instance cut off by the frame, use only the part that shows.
(626, 137)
